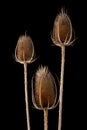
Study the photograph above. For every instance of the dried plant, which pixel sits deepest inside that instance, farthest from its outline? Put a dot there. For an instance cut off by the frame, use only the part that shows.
(62, 36)
(24, 53)
(44, 89)
(44, 92)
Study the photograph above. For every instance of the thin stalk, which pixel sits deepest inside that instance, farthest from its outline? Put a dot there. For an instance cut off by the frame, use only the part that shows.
(26, 96)
(61, 87)
(45, 119)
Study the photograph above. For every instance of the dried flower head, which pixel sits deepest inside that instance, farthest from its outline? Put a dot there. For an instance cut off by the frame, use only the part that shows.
(62, 30)
(44, 92)
(24, 51)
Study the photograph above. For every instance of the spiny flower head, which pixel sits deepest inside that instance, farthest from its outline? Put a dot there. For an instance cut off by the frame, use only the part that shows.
(62, 30)
(24, 51)
(44, 91)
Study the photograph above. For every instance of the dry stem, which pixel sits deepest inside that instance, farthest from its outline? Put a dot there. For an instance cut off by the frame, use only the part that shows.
(26, 96)
(61, 87)
(45, 119)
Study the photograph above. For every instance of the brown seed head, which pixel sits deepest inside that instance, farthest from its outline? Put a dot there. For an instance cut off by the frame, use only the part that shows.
(45, 92)
(24, 51)
(62, 30)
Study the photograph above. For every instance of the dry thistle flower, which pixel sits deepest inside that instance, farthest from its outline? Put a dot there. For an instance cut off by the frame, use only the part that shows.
(24, 51)
(62, 36)
(44, 92)
(62, 30)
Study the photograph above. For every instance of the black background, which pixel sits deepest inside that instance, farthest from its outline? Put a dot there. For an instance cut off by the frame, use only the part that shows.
(37, 17)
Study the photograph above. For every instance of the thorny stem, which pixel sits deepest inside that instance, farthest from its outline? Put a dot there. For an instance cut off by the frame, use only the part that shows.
(61, 87)
(45, 119)
(26, 96)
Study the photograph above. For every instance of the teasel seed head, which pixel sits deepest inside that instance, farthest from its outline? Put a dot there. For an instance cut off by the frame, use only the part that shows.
(44, 90)
(24, 51)
(62, 30)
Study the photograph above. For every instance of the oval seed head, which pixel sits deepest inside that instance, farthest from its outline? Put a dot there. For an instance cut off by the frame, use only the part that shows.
(62, 30)
(24, 51)
(45, 93)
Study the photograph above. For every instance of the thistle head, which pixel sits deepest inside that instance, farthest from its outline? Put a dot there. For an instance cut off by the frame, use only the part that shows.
(44, 89)
(62, 30)
(24, 51)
